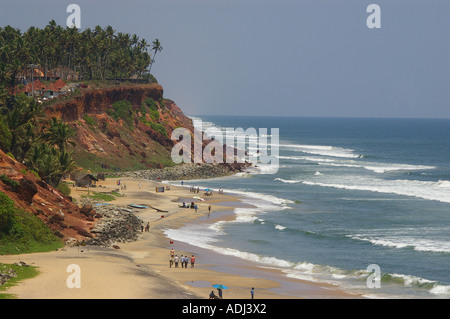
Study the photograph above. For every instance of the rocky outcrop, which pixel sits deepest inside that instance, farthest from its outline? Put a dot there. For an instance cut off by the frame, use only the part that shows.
(116, 226)
(188, 171)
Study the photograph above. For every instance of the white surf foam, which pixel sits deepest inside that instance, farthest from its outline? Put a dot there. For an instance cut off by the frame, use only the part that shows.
(367, 165)
(324, 150)
(428, 190)
(287, 181)
(419, 244)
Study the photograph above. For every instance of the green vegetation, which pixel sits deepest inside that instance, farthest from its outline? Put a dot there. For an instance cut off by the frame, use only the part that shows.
(92, 54)
(122, 110)
(5, 179)
(22, 232)
(40, 144)
(105, 197)
(159, 128)
(64, 188)
(149, 106)
(89, 120)
(155, 48)
(22, 274)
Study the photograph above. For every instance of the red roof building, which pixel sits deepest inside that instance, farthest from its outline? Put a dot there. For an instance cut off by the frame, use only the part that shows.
(59, 84)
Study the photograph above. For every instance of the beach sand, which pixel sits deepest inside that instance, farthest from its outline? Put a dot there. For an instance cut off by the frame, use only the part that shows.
(140, 269)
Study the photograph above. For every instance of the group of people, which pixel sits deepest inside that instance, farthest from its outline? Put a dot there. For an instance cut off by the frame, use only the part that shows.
(146, 228)
(121, 185)
(194, 189)
(192, 205)
(183, 260)
(212, 295)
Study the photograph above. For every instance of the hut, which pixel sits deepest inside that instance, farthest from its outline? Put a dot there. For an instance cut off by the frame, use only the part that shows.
(87, 180)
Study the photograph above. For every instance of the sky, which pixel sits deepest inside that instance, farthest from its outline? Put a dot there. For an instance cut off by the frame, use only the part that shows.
(281, 57)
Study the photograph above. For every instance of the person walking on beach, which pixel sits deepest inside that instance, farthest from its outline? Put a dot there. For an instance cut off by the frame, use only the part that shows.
(186, 260)
(171, 262)
(196, 207)
(192, 261)
(172, 253)
(176, 260)
(252, 293)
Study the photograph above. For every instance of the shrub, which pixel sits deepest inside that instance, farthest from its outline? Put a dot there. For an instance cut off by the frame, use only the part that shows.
(6, 213)
(5, 136)
(122, 110)
(89, 120)
(64, 188)
(22, 232)
(159, 128)
(6, 180)
(152, 108)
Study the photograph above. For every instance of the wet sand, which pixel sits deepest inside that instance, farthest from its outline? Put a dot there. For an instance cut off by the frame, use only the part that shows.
(140, 269)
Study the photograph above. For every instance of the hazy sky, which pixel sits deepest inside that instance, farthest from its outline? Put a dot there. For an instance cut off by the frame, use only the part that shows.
(281, 57)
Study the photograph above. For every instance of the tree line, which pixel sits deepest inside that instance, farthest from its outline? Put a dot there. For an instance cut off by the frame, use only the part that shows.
(98, 53)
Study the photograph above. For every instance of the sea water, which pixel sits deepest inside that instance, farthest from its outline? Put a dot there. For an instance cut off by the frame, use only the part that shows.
(348, 193)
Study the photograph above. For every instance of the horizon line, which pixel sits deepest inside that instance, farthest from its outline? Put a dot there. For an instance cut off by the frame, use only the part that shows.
(328, 116)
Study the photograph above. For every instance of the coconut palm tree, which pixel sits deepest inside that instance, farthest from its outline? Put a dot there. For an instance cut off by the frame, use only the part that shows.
(155, 48)
(58, 134)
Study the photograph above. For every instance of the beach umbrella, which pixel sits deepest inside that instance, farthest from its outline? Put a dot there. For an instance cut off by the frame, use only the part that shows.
(207, 190)
(220, 286)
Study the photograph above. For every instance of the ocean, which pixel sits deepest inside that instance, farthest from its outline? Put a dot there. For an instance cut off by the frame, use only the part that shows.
(349, 195)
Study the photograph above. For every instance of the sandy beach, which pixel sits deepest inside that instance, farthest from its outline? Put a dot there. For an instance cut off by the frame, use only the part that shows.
(140, 269)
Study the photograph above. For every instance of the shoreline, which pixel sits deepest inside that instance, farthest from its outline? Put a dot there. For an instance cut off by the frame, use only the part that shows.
(140, 269)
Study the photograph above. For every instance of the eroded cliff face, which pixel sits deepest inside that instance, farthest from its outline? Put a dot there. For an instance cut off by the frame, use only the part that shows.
(102, 142)
(32, 194)
(97, 101)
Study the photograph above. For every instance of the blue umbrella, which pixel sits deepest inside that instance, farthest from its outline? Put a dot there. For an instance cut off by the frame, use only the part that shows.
(207, 190)
(220, 286)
